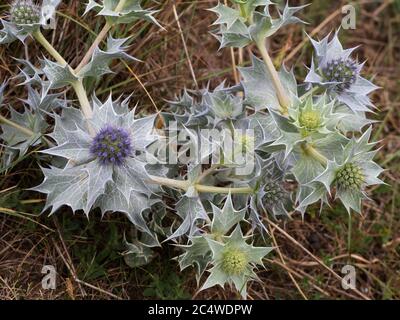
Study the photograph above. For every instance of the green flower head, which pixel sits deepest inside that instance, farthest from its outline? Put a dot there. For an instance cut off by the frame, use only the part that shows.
(314, 115)
(26, 17)
(24, 12)
(310, 119)
(234, 261)
(350, 176)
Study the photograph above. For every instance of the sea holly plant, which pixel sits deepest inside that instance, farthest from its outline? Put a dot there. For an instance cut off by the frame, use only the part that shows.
(208, 173)
(334, 69)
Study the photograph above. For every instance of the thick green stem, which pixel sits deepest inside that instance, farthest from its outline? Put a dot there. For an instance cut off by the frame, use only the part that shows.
(212, 189)
(314, 153)
(50, 49)
(83, 99)
(178, 184)
(280, 92)
(184, 185)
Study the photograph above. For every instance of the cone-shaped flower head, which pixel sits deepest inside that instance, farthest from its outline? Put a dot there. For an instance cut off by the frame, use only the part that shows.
(271, 196)
(107, 153)
(350, 176)
(234, 261)
(315, 115)
(334, 69)
(111, 145)
(26, 17)
(310, 119)
(342, 72)
(273, 193)
(24, 12)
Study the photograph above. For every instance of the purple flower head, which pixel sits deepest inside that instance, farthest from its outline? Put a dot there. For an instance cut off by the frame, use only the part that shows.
(333, 68)
(342, 71)
(111, 145)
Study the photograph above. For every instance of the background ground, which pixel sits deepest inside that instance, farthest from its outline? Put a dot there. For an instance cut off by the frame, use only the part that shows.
(91, 250)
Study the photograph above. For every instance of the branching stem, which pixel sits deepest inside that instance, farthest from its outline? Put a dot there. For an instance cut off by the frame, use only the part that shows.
(280, 92)
(94, 45)
(184, 185)
(38, 35)
(314, 153)
(99, 38)
(78, 85)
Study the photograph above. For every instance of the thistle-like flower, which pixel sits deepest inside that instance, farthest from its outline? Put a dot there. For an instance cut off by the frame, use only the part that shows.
(24, 12)
(26, 17)
(271, 195)
(312, 121)
(111, 145)
(340, 74)
(314, 116)
(343, 73)
(106, 166)
(348, 175)
(234, 261)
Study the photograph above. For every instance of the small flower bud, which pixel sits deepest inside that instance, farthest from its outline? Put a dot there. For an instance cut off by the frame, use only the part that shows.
(310, 119)
(25, 12)
(273, 193)
(234, 262)
(350, 176)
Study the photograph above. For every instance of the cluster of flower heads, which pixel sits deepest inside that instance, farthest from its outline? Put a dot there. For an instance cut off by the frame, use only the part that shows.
(319, 143)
